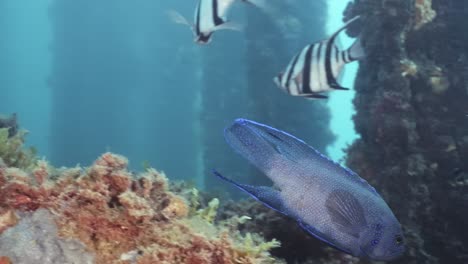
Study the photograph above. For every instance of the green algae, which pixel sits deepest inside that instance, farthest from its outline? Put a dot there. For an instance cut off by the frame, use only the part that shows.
(12, 150)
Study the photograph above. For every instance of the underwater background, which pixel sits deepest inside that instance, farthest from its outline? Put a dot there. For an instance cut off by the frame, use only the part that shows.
(88, 77)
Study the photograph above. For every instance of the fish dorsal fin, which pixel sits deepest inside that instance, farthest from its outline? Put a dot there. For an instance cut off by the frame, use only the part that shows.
(288, 146)
(333, 37)
(346, 212)
(267, 195)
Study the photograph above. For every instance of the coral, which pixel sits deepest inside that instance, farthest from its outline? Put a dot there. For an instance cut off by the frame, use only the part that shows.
(120, 217)
(424, 13)
(408, 68)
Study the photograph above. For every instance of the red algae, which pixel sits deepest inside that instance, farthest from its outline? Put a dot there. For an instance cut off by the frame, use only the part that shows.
(121, 217)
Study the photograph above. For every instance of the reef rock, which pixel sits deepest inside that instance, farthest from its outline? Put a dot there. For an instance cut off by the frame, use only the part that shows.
(411, 107)
(105, 214)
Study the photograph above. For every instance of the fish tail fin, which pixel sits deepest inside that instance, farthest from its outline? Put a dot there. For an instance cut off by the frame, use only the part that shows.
(356, 51)
(177, 18)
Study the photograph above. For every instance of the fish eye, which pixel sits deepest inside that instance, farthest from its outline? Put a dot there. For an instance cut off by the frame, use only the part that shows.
(398, 239)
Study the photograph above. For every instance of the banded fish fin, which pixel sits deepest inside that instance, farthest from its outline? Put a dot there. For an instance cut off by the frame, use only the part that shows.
(228, 26)
(320, 236)
(267, 195)
(346, 25)
(346, 212)
(356, 51)
(178, 18)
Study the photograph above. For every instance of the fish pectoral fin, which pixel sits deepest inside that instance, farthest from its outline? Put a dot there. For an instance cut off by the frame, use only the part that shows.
(346, 212)
(267, 195)
(177, 18)
(320, 236)
(229, 25)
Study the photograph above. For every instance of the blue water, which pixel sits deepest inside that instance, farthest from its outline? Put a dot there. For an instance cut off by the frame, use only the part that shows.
(89, 76)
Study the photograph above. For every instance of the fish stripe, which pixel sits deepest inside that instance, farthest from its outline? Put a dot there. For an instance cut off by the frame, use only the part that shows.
(216, 19)
(343, 56)
(331, 81)
(306, 71)
(321, 76)
(197, 20)
(315, 69)
(290, 73)
(337, 54)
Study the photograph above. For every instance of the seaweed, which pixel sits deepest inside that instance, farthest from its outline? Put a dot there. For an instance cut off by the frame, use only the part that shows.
(12, 151)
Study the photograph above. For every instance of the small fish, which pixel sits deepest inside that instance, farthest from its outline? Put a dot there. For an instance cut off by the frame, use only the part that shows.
(316, 68)
(210, 16)
(328, 201)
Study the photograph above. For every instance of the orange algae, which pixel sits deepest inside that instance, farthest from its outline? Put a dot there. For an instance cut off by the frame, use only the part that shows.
(124, 218)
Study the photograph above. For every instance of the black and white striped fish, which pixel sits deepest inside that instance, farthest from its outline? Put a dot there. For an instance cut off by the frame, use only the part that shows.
(316, 68)
(210, 16)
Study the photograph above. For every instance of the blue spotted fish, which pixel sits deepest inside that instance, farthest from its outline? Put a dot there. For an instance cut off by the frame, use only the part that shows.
(330, 202)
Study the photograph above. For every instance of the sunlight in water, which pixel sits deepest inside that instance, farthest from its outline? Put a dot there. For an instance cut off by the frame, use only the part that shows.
(340, 102)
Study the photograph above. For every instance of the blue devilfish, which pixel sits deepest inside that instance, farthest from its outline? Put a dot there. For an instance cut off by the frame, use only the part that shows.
(327, 200)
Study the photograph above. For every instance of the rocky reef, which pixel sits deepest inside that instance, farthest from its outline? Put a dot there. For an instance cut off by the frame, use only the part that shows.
(411, 107)
(107, 214)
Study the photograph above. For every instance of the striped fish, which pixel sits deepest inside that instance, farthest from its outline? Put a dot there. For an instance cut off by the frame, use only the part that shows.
(210, 16)
(315, 69)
